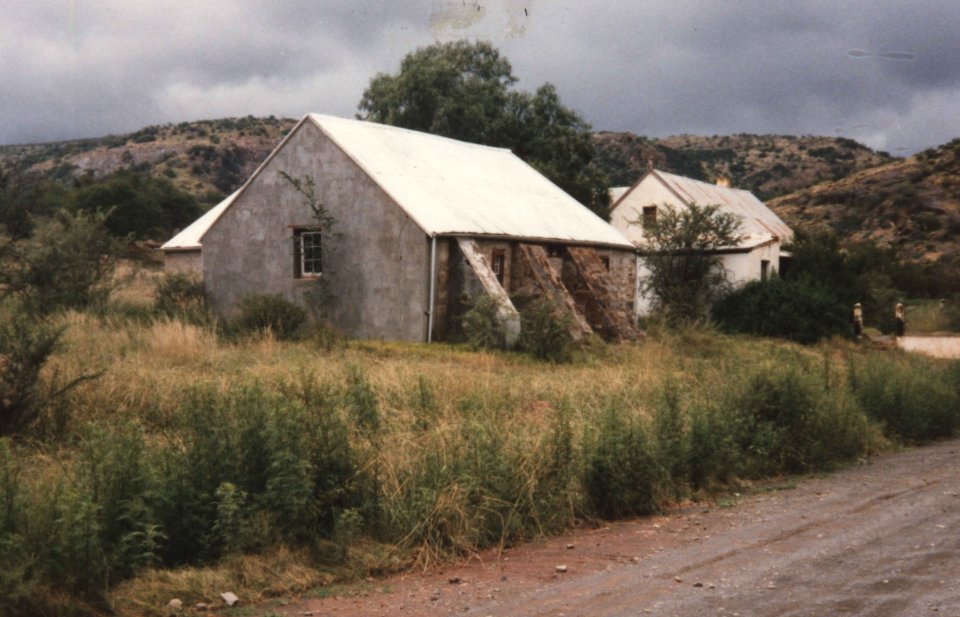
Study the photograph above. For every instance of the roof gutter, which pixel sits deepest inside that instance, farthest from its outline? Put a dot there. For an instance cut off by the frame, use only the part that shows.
(626, 246)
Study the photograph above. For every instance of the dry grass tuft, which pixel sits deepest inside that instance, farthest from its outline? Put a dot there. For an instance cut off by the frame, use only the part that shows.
(254, 578)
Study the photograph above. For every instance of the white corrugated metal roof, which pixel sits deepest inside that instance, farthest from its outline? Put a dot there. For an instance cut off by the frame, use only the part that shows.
(189, 238)
(759, 224)
(450, 187)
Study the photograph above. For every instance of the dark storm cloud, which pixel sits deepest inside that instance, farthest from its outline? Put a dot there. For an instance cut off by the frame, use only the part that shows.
(707, 67)
(89, 68)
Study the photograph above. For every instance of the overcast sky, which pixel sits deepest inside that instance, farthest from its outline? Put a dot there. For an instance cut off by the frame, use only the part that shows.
(884, 73)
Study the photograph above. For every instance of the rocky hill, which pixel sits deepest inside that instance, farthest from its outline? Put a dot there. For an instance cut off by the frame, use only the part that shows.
(912, 204)
(767, 165)
(211, 158)
(207, 158)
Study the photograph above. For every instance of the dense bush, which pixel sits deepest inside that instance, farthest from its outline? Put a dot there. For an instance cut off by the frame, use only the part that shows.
(67, 263)
(254, 470)
(131, 202)
(25, 347)
(544, 334)
(622, 475)
(480, 325)
(137, 204)
(249, 470)
(862, 272)
(792, 309)
(260, 312)
(915, 401)
(23, 201)
(788, 421)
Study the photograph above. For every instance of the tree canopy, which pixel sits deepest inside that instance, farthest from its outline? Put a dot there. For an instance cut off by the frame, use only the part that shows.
(463, 90)
(686, 275)
(137, 203)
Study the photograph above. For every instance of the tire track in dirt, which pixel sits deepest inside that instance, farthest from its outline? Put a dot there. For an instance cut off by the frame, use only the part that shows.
(839, 553)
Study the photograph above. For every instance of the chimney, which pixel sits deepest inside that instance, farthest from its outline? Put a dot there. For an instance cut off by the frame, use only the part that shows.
(723, 182)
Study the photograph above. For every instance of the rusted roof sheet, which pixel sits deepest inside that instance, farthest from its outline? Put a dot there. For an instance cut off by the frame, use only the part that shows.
(451, 187)
(189, 238)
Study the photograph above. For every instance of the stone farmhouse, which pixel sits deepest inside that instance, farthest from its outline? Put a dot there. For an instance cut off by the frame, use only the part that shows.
(421, 226)
(759, 252)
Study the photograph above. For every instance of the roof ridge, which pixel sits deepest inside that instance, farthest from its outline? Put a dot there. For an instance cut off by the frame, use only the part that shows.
(318, 118)
(705, 183)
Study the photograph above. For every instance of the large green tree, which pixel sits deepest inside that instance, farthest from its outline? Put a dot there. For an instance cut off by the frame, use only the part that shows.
(464, 90)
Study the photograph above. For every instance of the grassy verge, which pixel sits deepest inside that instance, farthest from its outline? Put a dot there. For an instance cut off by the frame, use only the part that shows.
(194, 464)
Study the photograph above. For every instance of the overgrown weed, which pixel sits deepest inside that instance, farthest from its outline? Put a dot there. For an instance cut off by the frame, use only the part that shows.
(202, 454)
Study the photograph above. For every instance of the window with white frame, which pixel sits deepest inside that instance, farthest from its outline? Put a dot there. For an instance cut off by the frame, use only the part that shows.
(307, 253)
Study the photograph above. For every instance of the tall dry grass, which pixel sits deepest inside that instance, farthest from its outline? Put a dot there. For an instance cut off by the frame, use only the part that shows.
(375, 455)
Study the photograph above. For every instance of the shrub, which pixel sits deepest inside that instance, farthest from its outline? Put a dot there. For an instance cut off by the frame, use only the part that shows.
(914, 400)
(25, 347)
(670, 437)
(254, 470)
(362, 401)
(259, 312)
(78, 532)
(180, 294)
(543, 334)
(67, 263)
(621, 475)
(794, 310)
(481, 327)
(713, 453)
(787, 421)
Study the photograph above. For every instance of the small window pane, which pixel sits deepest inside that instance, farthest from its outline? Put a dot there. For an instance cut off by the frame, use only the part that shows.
(649, 216)
(499, 261)
(311, 255)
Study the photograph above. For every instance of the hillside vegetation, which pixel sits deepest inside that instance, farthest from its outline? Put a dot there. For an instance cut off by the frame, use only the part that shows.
(767, 165)
(208, 158)
(211, 158)
(911, 205)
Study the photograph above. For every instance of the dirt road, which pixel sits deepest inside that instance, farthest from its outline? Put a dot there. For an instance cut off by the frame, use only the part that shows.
(882, 538)
(936, 346)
